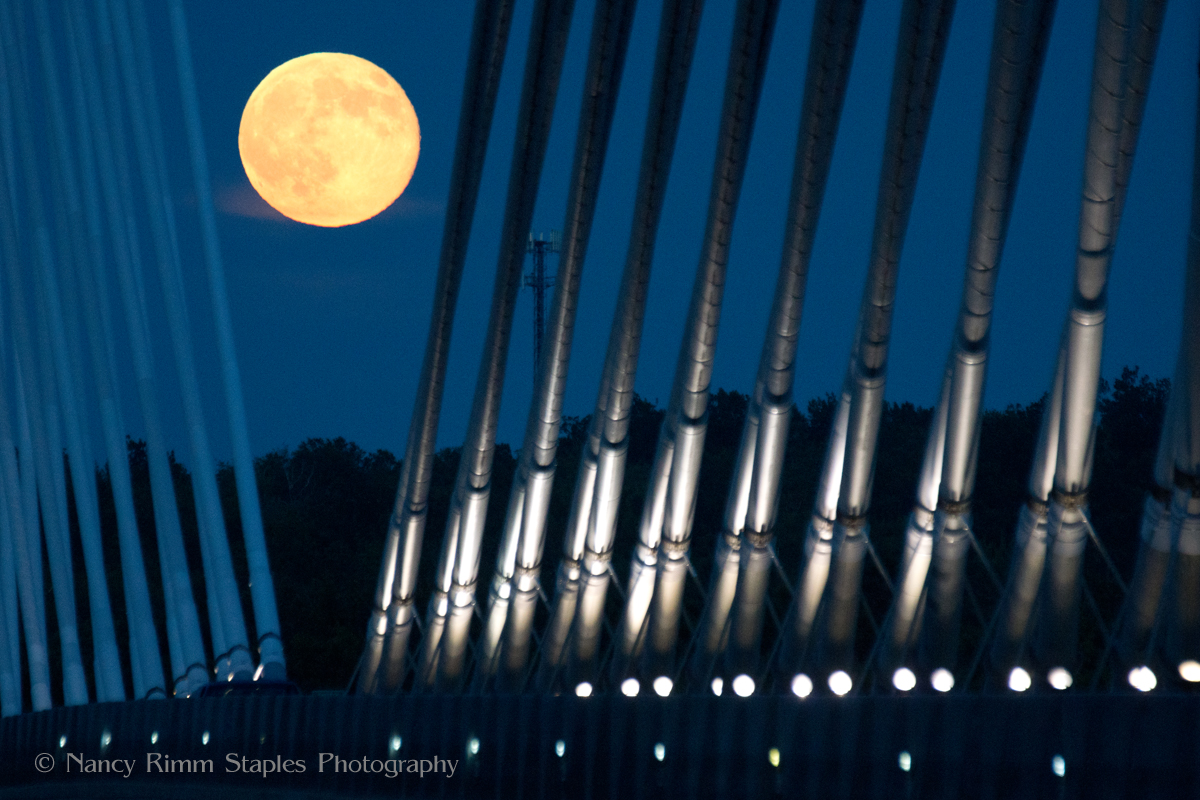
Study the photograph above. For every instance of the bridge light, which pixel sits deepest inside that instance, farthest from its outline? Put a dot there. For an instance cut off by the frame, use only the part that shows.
(204, 738)
(1059, 765)
(584, 689)
(773, 756)
(1060, 678)
(473, 746)
(1019, 680)
(394, 744)
(743, 685)
(942, 680)
(154, 737)
(802, 685)
(560, 748)
(62, 741)
(1190, 671)
(105, 740)
(840, 683)
(660, 751)
(663, 685)
(630, 687)
(1142, 678)
(904, 679)
(905, 760)
(718, 685)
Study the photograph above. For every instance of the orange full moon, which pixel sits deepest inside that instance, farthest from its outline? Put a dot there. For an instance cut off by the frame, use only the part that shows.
(329, 139)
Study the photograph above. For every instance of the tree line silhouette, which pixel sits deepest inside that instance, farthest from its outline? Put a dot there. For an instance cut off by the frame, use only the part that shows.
(326, 505)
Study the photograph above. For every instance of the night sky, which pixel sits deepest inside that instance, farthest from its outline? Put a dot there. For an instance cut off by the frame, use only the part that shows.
(330, 324)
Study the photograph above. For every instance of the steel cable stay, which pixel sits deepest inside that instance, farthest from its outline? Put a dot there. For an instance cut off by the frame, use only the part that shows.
(876, 627)
(1160, 619)
(1148, 653)
(489, 678)
(1103, 551)
(909, 639)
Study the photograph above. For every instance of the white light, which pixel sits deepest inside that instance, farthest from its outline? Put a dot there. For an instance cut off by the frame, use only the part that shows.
(1019, 680)
(773, 756)
(942, 680)
(154, 737)
(802, 686)
(473, 746)
(1142, 679)
(663, 685)
(1060, 678)
(718, 686)
(257, 673)
(743, 685)
(1190, 671)
(1059, 765)
(583, 690)
(395, 743)
(105, 739)
(660, 751)
(905, 760)
(904, 679)
(204, 738)
(560, 748)
(62, 741)
(630, 687)
(840, 683)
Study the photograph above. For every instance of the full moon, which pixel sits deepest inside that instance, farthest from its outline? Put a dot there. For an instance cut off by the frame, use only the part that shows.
(329, 139)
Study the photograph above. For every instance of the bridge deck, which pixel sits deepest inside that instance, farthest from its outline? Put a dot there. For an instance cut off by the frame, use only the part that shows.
(533, 746)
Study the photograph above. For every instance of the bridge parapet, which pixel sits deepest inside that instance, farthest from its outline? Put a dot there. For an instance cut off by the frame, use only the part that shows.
(533, 745)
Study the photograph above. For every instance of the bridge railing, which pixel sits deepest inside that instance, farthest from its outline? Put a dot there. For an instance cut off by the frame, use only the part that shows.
(690, 746)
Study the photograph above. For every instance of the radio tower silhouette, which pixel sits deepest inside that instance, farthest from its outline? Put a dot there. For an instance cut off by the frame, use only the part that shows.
(539, 281)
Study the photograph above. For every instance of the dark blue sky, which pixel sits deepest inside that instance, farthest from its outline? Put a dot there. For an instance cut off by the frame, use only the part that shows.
(330, 323)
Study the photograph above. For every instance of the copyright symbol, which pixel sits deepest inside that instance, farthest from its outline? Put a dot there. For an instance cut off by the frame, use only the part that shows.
(44, 762)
